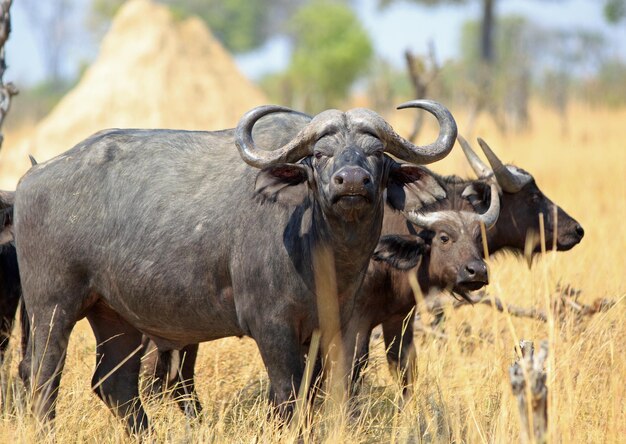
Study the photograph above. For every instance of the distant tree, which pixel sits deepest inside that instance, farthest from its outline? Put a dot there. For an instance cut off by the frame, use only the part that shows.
(331, 49)
(491, 64)
(487, 22)
(482, 78)
(508, 94)
(101, 14)
(615, 10)
(52, 25)
(568, 55)
(607, 87)
(241, 25)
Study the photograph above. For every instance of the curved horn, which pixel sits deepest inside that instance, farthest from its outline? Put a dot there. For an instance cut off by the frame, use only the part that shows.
(405, 150)
(296, 149)
(510, 181)
(481, 170)
(421, 219)
(490, 217)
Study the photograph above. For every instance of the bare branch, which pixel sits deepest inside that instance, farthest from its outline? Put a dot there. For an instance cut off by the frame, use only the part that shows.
(567, 303)
(422, 70)
(435, 305)
(7, 91)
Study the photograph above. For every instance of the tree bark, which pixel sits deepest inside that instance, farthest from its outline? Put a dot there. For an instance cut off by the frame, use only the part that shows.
(487, 28)
(7, 91)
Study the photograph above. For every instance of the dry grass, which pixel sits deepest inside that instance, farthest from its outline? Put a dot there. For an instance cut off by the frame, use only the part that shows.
(462, 391)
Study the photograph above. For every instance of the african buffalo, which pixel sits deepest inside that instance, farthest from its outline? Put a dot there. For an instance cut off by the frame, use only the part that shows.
(167, 233)
(10, 286)
(442, 247)
(521, 203)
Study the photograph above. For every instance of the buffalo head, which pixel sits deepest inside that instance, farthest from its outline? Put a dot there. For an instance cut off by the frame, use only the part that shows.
(448, 247)
(522, 202)
(341, 160)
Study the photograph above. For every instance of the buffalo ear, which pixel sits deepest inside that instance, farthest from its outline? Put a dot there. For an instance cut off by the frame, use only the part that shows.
(479, 196)
(400, 251)
(285, 183)
(411, 187)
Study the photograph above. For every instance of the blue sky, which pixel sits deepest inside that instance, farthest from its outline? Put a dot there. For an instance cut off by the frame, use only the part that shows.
(393, 30)
(407, 25)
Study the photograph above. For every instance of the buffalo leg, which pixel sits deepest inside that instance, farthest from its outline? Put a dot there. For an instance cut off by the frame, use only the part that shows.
(43, 361)
(171, 372)
(281, 354)
(356, 349)
(182, 381)
(355, 343)
(400, 349)
(8, 308)
(153, 369)
(118, 355)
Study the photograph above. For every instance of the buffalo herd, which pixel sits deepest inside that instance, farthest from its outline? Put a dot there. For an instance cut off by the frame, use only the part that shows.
(163, 239)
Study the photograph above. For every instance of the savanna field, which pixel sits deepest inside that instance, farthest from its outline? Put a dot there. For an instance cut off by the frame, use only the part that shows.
(462, 391)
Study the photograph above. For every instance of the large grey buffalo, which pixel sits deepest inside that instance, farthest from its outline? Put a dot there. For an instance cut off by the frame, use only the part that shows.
(521, 204)
(168, 233)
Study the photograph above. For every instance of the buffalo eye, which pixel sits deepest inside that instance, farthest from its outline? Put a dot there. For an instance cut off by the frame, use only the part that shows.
(318, 155)
(444, 238)
(378, 153)
(535, 197)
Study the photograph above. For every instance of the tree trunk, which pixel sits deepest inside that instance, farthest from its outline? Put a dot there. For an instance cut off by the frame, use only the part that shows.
(8, 90)
(486, 42)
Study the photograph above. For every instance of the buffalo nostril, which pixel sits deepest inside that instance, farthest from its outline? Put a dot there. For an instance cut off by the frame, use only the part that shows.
(470, 270)
(352, 178)
(580, 231)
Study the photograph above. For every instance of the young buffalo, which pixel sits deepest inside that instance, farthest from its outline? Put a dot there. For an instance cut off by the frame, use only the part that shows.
(444, 252)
